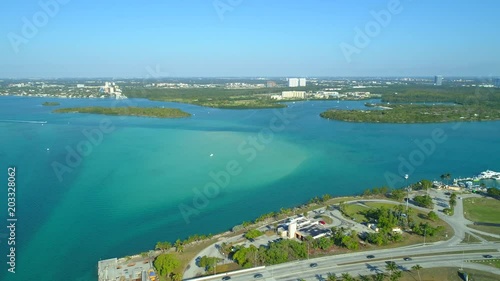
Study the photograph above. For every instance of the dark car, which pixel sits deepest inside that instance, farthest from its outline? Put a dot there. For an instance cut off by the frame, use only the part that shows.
(225, 278)
(407, 259)
(370, 256)
(488, 256)
(258, 275)
(313, 264)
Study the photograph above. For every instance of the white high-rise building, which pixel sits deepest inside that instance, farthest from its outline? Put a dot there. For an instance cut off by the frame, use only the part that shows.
(302, 82)
(293, 82)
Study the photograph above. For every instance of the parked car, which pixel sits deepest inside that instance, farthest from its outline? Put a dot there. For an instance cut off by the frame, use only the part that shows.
(258, 275)
(225, 278)
(322, 222)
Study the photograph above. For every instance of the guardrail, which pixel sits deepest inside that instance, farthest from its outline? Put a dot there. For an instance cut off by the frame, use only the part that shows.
(225, 274)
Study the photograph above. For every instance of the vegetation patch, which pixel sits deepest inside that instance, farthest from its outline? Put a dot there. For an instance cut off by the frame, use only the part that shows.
(482, 210)
(50, 103)
(157, 112)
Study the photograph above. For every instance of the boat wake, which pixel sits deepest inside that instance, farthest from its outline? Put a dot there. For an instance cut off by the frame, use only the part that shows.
(24, 121)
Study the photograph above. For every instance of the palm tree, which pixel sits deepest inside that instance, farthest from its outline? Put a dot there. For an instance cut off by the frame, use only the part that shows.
(378, 277)
(396, 275)
(448, 176)
(364, 278)
(178, 246)
(417, 267)
(331, 276)
(346, 276)
(391, 266)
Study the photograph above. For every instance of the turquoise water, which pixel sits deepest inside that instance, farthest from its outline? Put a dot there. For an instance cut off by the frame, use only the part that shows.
(125, 194)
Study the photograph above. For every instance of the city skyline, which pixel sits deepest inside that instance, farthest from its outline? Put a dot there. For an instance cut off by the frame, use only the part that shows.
(222, 38)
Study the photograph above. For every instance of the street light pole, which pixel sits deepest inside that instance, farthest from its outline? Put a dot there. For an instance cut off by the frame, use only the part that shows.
(425, 231)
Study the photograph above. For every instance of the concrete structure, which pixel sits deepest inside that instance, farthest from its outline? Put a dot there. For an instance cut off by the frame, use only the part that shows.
(302, 82)
(292, 229)
(293, 94)
(438, 80)
(293, 82)
(124, 269)
(80, 85)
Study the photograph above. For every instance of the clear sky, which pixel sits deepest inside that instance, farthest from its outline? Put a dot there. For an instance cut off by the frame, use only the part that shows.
(90, 38)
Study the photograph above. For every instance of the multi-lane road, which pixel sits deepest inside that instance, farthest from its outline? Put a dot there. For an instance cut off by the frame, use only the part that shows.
(450, 253)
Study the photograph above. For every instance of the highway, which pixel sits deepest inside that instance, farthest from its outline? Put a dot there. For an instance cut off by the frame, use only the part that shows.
(357, 263)
(431, 255)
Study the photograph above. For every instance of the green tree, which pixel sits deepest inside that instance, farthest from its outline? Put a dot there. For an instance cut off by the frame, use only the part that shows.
(398, 194)
(378, 277)
(425, 184)
(179, 247)
(423, 201)
(432, 216)
(209, 263)
(395, 275)
(453, 202)
(163, 246)
(391, 267)
(166, 263)
(331, 276)
(347, 277)
(417, 267)
(252, 234)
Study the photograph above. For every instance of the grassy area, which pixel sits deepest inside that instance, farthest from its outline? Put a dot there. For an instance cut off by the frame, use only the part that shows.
(492, 262)
(470, 239)
(327, 219)
(488, 238)
(354, 210)
(190, 252)
(482, 209)
(486, 228)
(448, 274)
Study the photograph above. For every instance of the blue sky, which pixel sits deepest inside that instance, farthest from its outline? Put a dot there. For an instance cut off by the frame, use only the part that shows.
(250, 38)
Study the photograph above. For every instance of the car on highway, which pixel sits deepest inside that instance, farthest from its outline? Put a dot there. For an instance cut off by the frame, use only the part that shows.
(407, 259)
(488, 256)
(258, 275)
(370, 256)
(322, 222)
(313, 264)
(225, 278)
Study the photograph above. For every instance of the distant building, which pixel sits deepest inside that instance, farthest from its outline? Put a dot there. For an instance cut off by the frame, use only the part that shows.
(270, 84)
(293, 94)
(302, 82)
(296, 82)
(293, 82)
(438, 80)
(496, 82)
(80, 85)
